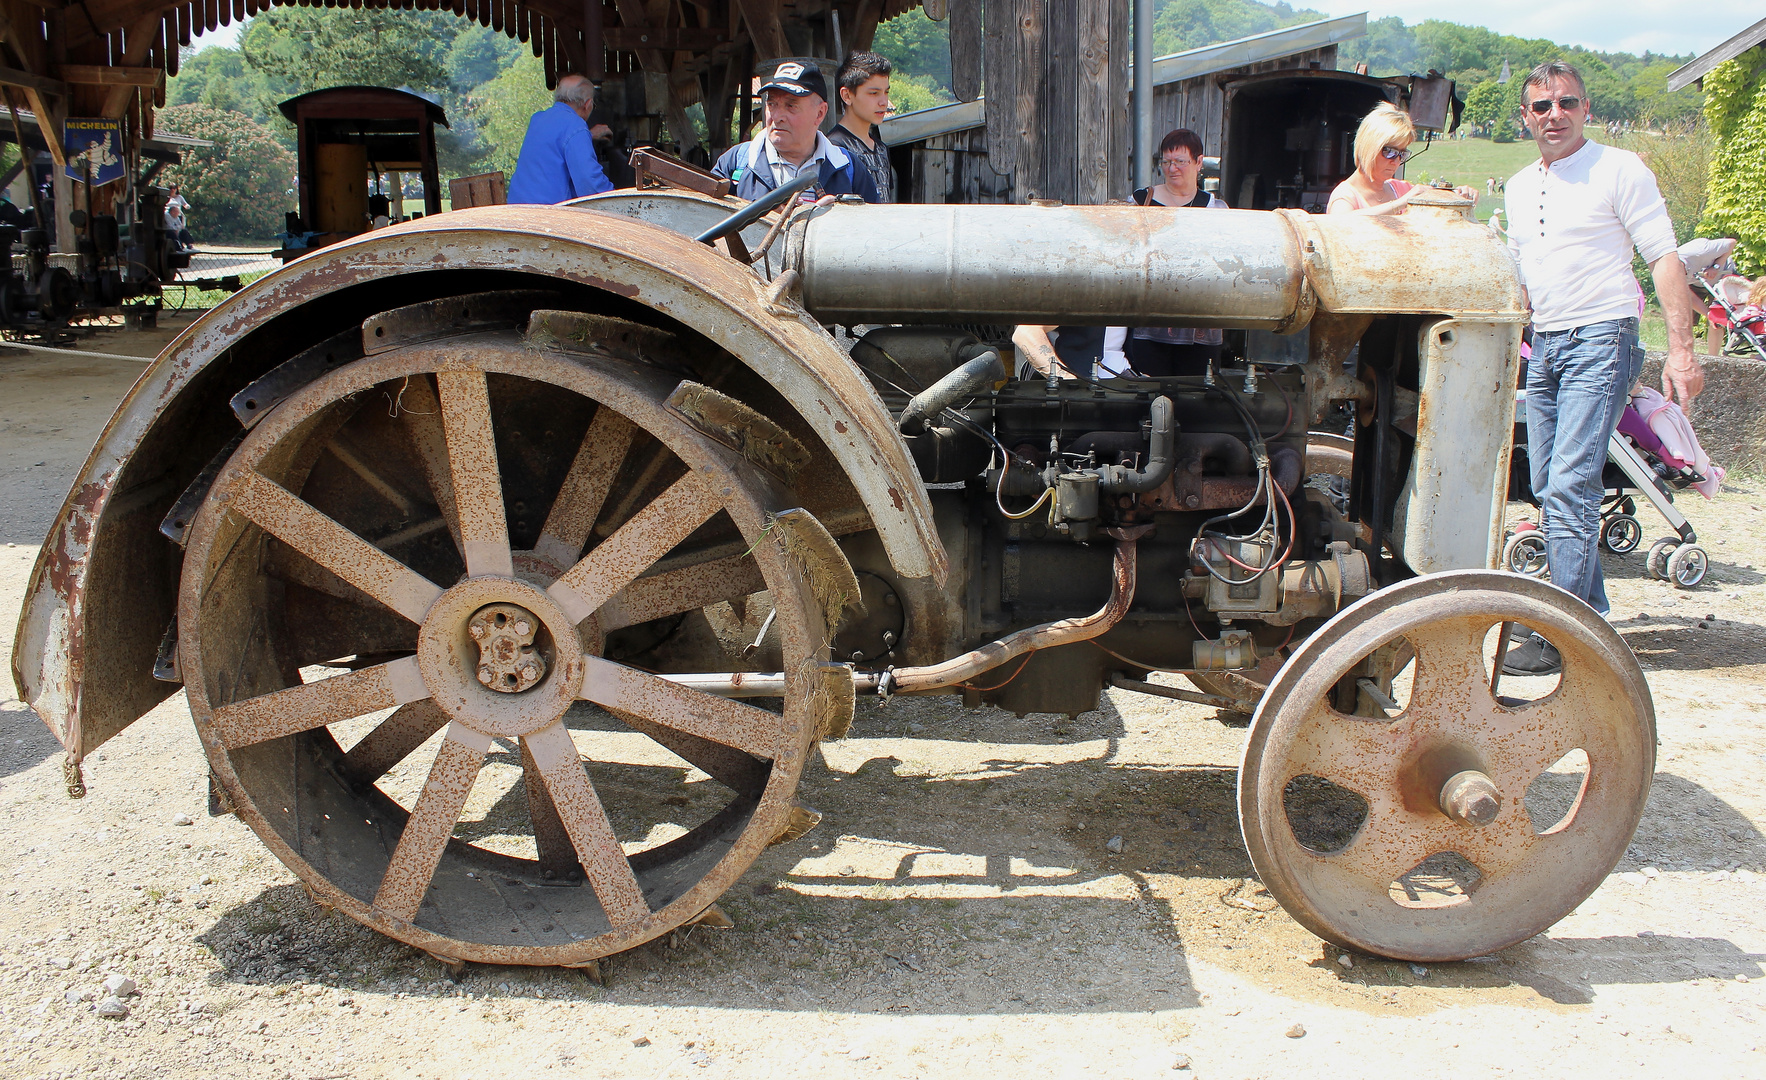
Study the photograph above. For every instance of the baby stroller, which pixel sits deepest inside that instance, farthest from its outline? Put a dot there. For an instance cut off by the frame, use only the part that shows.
(1639, 466)
(1729, 309)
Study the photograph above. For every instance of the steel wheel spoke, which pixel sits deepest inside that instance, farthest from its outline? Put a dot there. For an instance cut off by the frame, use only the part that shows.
(557, 854)
(334, 547)
(472, 462)
(650, 534)
(604, 861)
(1520, 744)
(421, 410)
(687, 589)
(431, 823)
(393, 740)
(585, 488)
(1449, 665)
(1391, 842)
(670, 705)
(1351, 752)
(317, 704)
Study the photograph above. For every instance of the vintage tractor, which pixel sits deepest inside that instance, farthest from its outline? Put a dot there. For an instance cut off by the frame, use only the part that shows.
(387, 514)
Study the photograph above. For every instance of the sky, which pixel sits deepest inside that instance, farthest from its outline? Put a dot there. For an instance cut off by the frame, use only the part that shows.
(1632, 26)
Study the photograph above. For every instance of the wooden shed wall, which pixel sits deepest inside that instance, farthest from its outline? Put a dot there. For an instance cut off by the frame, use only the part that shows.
(955, 168)
(1200, 103)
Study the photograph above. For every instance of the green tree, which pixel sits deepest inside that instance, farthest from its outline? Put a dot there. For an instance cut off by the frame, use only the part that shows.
(1487, 103)
(1180, 25)
(916, 46)
(1735, 201)
(238, 188)
(317, 48)
(502, 107)
(478, 55)
(220, 78)
(911, 93)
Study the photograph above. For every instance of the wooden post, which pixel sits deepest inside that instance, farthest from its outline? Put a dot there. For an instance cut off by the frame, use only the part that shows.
(965, 49)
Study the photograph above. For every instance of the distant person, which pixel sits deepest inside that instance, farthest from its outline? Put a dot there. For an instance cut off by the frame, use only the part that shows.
(1382, 146)
(863, 83)
(176, 222)
(1575, 216)
(794, 103)
(558, 161)
(1162, 351)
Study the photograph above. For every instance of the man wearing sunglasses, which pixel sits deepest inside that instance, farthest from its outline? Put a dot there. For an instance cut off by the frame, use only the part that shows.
(1573, 218)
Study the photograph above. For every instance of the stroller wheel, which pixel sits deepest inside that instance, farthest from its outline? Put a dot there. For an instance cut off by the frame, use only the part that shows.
(1621, 533)
(1525, 554)
(1657, 561)
(1688, 565)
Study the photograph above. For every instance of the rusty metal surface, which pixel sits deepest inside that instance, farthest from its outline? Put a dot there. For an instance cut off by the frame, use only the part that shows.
(316, 704)
(650, 534)
(689, 588)
(334, 547)
(585, 820)
(627, 258)
(622, 689)
(1449, 513)
(585, 488)
(1401, 764)
(432, 822)
(757, 754)
(1065, 631)
(472, 460)
(1429, 259)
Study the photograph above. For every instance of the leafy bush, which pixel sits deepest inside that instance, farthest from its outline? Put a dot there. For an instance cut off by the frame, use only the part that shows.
(502, 107)
(1735, 110)
(239, 188)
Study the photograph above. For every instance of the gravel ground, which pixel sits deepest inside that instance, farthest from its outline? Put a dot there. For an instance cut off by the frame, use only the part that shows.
(959, 912)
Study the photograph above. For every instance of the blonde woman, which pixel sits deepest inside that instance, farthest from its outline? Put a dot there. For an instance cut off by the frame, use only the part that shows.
(1382, 145)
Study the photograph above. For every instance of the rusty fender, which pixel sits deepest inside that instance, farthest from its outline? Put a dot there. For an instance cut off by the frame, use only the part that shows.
(105, 565)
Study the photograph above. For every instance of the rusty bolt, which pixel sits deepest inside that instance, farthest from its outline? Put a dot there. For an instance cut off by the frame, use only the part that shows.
(1193, 501)
(1471, 799)
(477, 631)
(486, 675)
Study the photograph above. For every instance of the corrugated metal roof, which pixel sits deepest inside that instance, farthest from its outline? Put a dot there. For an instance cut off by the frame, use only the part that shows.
(1256, 49)
(1729, 50)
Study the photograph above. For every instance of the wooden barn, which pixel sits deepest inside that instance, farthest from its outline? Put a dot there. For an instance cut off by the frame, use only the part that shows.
(1273, 107)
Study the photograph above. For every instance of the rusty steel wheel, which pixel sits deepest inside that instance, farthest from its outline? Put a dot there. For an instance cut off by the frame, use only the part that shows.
(411, 570)
(1434, 831)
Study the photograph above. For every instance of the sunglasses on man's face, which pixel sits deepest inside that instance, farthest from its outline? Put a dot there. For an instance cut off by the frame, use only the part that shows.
(1393, 153)
(1567, 103)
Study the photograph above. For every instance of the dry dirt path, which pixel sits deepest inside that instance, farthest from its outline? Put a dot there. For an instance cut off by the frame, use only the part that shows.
(957, 913)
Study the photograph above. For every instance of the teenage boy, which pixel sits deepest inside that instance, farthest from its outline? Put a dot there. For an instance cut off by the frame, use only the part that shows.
(864, 101)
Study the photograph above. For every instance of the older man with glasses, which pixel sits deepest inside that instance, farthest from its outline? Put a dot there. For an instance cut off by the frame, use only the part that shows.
(1573, 218)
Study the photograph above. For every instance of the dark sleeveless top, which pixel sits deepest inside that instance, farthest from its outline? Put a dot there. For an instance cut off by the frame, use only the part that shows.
(1144, 196)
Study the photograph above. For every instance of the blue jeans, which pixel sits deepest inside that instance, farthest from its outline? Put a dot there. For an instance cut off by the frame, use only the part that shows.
(1578, 382)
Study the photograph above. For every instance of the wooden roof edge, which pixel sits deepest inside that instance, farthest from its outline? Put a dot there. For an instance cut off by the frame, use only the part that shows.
(1697, 69)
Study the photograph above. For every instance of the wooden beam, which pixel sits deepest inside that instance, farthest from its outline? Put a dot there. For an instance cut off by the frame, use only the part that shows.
(24, 80)
(105, 75)
(137, 43)
(765, 29)
(965, 49)
(687, 39)
(49, 119)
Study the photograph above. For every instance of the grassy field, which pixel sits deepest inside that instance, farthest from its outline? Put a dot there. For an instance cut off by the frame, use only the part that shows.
(1470, 162)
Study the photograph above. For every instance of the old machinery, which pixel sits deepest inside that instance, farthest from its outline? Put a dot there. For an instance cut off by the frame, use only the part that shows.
(389, 513)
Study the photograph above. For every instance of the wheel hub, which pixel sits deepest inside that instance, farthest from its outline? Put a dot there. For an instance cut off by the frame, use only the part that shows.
(499, 656)
(508, 660)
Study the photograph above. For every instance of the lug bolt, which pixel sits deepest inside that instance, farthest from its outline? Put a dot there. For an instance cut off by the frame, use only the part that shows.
(1471, 799)
(486, 675)
(477, 631)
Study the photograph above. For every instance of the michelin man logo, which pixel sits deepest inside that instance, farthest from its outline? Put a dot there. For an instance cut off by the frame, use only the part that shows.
(789, 71)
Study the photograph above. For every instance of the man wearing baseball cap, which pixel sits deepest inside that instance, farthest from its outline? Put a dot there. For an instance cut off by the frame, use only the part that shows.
(790, 141)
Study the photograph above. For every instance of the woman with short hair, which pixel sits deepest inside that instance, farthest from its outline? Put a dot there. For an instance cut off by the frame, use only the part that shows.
(1163, 351)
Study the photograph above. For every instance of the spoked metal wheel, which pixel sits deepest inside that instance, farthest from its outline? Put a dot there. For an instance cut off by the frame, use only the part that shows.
(1525, 553)
(1455, 825)
(411, 570)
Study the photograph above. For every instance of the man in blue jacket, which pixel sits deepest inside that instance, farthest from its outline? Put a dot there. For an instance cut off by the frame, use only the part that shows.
(557, 159)
(790, 141)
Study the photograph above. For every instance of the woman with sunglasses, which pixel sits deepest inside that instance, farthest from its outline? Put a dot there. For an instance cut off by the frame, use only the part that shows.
(1382, 145)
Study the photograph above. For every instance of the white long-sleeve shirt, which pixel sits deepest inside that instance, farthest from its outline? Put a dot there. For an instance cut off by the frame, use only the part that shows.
(1572, 226)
